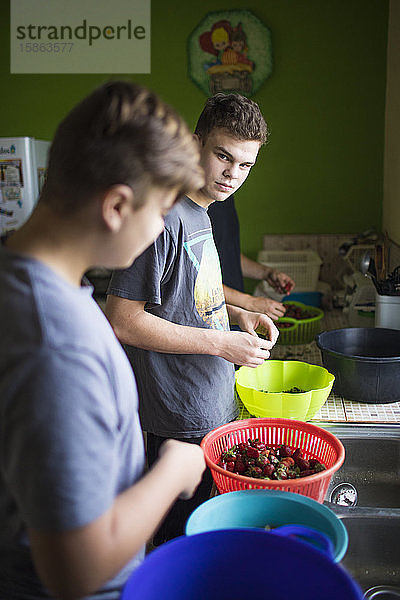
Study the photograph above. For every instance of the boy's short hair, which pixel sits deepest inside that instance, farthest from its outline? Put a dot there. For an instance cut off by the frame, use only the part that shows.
(121, 133)
(238, 115)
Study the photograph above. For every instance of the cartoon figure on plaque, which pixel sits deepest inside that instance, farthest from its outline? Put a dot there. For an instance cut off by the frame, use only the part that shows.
(220, 59)
(230, 70)
(216, 41)
(239, 45)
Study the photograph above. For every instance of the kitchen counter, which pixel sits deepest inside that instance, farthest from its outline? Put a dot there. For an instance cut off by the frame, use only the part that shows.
(370, 435)
(336, 409)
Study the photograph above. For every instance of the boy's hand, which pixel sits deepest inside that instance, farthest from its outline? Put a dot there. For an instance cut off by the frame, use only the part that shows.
(188, 460)
(281, 282)
(253, 323)
(243, 348)
(272, 308)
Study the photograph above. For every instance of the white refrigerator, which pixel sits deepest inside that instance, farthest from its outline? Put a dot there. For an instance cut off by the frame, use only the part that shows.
(23, 166)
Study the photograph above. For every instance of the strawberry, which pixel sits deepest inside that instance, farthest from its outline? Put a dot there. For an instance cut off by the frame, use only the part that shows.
(268, 470)
(253, 452)
(285, 451)
(302, 463)
(240, 467)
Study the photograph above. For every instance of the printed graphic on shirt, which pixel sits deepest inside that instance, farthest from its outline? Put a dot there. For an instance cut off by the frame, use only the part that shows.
(208, 292)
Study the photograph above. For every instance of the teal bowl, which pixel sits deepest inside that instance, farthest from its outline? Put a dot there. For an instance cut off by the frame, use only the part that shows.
(273, 508)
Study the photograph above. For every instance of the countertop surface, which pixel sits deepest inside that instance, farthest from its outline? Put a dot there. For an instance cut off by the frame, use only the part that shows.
(336, 409)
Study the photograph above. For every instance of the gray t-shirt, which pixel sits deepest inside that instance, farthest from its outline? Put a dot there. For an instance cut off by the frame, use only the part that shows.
(69, 429)
(179, 278)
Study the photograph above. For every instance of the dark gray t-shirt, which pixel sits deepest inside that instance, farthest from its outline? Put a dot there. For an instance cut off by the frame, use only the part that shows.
(179, 278)
(70, 435)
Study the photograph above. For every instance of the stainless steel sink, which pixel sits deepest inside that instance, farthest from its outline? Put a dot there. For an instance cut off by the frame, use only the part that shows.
(370, 476)
(373, 554)
(372, 465)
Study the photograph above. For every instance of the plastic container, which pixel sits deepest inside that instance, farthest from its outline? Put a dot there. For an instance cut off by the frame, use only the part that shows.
(313, 440)
(365, 362)
(277, 376)
(239, 564)
(301, 331)
(303, 266)
(258, 508)
(307, 298)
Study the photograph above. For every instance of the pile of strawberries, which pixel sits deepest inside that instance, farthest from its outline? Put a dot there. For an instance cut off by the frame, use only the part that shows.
(284, 324)
(297, 312)
(255, 459)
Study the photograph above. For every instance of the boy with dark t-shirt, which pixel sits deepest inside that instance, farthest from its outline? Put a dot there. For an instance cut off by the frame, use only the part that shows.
(169, 309)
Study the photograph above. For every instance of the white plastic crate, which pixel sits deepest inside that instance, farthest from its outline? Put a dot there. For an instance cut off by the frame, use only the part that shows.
(302, 266)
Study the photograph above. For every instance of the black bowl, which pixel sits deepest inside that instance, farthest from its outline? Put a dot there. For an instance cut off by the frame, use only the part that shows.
(365, 362)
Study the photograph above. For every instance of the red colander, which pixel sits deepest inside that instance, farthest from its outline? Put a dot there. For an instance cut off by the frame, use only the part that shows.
(314, 441)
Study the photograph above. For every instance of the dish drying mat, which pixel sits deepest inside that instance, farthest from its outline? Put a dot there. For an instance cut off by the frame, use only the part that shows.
(336, 409)
(332, 411)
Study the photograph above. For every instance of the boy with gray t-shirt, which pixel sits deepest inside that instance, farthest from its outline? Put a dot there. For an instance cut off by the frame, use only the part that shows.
(75, 507)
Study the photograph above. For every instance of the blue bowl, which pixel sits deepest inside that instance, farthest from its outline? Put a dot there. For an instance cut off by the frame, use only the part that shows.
(307, 298)
(258, 508)
(237, 563)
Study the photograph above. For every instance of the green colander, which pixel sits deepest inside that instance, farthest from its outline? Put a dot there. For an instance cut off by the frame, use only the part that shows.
(264, 389)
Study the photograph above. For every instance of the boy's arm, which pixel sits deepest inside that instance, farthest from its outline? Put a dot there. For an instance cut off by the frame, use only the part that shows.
(75, 563)
(136, 327)
(258, 304)
(281, 282)
(253, 269)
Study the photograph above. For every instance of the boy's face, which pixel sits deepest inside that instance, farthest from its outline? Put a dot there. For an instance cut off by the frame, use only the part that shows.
(145, 224)
(226, 162)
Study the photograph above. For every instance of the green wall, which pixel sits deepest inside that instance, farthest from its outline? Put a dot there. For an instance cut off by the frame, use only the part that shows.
(323, 168)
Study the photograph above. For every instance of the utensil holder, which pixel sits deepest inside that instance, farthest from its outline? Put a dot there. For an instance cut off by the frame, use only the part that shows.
(387, 311)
